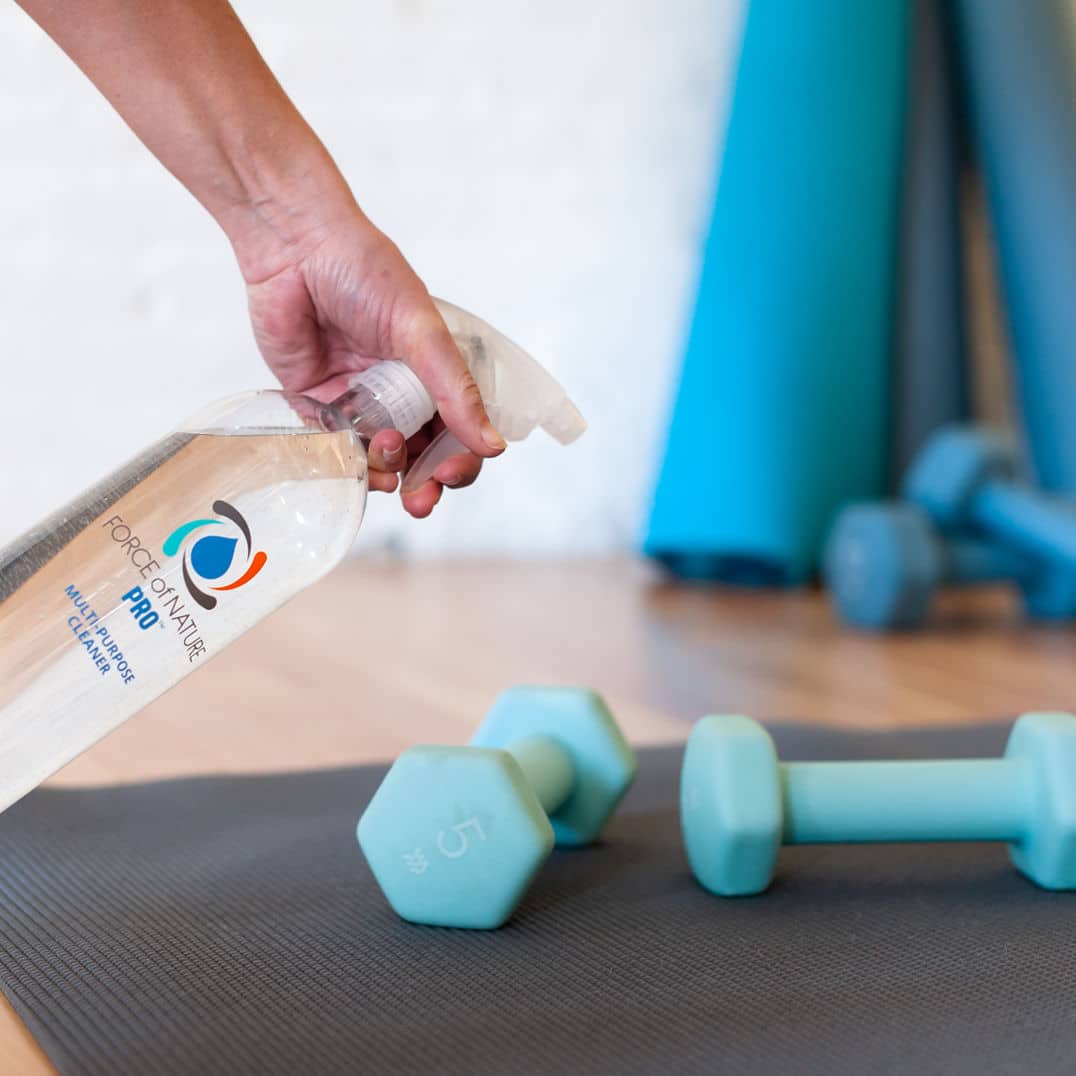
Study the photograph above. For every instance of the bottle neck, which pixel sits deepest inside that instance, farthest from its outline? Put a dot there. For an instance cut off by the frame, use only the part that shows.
(387, 396)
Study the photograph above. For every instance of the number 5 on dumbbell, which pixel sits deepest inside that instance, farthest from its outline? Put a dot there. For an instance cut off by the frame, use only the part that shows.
(455, 835)
(739, 804)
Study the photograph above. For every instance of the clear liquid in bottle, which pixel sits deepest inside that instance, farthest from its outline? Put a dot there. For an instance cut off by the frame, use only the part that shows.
(148, 575)
(122, 593)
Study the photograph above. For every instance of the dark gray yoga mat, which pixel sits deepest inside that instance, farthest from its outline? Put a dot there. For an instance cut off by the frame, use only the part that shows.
(230, 926)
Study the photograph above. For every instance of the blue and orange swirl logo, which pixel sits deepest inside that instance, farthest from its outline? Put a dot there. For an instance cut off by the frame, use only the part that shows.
(213, 556)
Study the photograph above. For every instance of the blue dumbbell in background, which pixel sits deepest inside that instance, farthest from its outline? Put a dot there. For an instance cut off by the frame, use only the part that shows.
(739, 804)
(455, 835)
(966, 480)
(884, 561)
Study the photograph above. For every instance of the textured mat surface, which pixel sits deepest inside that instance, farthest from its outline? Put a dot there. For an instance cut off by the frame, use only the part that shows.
(230, 926)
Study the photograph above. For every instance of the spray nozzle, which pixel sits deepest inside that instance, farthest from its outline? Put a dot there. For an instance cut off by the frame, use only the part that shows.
(519, 395)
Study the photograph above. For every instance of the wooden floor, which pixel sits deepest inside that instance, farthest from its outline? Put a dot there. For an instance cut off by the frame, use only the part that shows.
(382, 656)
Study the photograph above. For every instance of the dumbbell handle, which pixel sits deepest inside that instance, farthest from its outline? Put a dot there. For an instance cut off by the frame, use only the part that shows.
(1040, 524)
(961, 800)
(547, 767)
(968, 560)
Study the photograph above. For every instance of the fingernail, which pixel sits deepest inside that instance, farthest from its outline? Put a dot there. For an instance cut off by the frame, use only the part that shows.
(493, 439)
(452, 481)
(392, 455)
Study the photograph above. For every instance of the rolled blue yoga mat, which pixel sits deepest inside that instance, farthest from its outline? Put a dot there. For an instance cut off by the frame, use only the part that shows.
(931, 382)
(782, 410)
(1021, 83)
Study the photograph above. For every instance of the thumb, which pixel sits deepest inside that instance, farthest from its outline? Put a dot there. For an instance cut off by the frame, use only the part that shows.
(427, 347)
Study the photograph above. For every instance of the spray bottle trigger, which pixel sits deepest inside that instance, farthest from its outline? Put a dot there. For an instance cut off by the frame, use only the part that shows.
(445, 444)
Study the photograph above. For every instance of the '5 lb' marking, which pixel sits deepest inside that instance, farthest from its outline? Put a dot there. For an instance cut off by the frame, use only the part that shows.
(455, 853)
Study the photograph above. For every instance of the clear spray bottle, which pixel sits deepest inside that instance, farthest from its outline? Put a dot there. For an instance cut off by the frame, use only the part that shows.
(123, 592)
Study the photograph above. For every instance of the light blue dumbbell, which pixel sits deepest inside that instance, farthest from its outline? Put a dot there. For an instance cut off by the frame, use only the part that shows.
(455, 835)
(739, 804)
(967, 478)
(884, 562)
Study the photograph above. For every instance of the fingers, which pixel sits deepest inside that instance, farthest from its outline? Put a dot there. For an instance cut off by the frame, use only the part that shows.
(430, 351)
(458, 472)
(386, 457)
(422, 501)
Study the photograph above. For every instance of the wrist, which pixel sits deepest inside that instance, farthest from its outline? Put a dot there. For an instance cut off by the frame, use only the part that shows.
(289, 194)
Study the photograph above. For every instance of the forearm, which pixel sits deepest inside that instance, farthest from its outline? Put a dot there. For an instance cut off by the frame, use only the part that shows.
(188, 80)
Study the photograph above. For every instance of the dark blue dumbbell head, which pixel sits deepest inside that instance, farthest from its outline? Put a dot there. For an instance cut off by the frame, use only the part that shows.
(953, 465)
(881, 565)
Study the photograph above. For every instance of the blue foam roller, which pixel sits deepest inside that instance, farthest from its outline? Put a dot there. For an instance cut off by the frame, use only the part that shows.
(1021, 84)
(931, 385)
(782, 410)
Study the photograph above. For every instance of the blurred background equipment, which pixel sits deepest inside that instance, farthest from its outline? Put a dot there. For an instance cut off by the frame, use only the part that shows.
(969, 518)
(885, 561)
(782, 409)
(1019, 62)
(821, 348)
(930, 375)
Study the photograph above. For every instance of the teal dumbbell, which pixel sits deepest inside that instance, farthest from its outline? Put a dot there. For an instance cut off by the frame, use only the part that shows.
(739, 804)
(455, 835)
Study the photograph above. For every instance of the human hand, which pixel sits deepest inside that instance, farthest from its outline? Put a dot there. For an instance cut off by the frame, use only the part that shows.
(330, 295)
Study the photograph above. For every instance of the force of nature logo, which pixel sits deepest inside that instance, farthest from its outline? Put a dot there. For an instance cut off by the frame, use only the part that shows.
(212, 557)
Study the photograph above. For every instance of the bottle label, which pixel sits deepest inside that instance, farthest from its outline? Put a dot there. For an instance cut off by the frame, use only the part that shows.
(216, 555)
(152, 587)
(126, 590)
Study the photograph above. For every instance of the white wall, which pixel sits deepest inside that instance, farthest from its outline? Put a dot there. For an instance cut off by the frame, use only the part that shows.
(545, 163)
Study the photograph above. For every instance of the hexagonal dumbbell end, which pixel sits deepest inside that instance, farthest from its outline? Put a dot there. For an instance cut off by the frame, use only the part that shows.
(953, 465)
(1046, 853)
(455, 835)
(881, 565)
(580, 724)
(730, 805)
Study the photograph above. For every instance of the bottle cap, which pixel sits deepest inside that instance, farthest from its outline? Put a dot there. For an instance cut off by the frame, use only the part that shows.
(399, 391)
